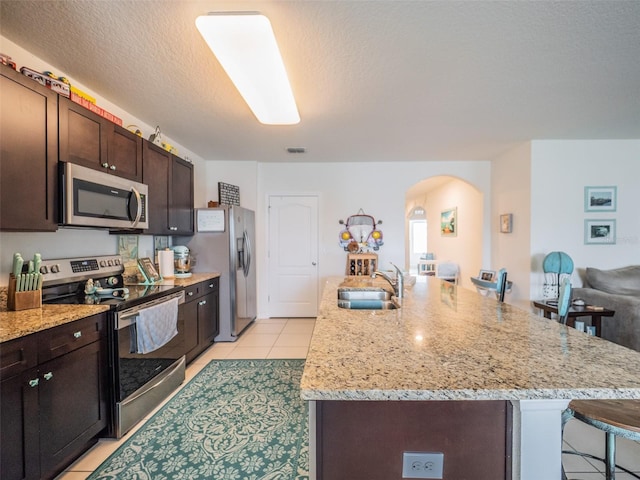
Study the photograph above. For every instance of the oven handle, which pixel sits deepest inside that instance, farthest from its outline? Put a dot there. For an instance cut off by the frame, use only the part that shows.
(127, 317)
(168, 372)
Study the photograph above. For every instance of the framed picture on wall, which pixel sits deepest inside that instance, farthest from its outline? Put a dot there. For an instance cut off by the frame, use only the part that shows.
(506, 223)
(599, 232)
(600, 199)
(448, 222)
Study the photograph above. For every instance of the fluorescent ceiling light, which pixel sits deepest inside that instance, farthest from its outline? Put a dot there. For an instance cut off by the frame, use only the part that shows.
(244, 44)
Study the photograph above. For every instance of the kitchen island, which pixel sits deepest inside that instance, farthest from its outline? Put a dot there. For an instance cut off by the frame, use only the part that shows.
(453, 353)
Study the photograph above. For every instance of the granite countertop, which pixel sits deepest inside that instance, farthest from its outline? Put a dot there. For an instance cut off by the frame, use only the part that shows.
(196, 278)
(24, 322)
(449, 343)
(188, 281)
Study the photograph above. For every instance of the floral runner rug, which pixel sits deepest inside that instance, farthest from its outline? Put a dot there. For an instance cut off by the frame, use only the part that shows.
(235, 420)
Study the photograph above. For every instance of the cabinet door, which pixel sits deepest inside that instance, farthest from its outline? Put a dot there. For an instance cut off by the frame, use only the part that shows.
(188, 312)
(213, 288)
(207, 319)
(83, 136)
(73, 408)
(19, 440)
(181, 197)
(156, 165)
(125, 153)
(29, 152)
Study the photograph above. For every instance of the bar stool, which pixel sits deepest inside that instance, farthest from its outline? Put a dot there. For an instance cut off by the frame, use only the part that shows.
(617, 418)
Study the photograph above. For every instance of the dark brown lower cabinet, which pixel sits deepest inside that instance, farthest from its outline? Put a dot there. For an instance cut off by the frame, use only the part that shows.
(52, 412)
(366, 440)
(72, 405)
(19, 427)
(201, 316)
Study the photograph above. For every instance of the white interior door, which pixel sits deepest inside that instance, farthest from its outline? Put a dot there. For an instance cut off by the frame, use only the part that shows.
(293, 256)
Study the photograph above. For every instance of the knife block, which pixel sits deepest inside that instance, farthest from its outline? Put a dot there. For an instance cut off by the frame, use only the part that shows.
(22, 300)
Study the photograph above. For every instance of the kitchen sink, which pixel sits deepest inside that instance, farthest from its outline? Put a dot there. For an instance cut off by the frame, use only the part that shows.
(366, 299)
(351, 294)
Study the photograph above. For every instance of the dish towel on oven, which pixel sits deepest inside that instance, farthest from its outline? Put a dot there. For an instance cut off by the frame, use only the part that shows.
(155, 326)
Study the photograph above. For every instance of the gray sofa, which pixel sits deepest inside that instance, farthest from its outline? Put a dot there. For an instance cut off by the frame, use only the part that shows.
(619, 290)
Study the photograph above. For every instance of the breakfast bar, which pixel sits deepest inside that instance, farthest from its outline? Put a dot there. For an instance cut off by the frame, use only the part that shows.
(449, 356)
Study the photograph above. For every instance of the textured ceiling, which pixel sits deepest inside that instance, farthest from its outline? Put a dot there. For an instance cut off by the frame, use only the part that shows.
(374, 80)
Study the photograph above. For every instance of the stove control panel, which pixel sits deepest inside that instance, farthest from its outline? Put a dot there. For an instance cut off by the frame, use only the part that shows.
(65, 270)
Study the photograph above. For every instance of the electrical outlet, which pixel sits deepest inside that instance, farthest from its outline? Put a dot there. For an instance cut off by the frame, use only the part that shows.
(422, 464)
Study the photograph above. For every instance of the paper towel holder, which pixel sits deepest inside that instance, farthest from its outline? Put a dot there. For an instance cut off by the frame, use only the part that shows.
(166, 263)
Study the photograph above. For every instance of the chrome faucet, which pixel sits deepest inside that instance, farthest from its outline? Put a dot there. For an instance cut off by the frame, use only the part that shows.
(397, 284)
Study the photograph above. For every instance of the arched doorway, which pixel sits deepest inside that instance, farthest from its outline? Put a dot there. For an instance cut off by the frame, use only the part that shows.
(436, 195)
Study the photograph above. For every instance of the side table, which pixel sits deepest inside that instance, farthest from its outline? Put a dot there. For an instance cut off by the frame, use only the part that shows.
(549, 307)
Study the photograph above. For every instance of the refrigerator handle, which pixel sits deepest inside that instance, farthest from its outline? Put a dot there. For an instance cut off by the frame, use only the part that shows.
(247, 263)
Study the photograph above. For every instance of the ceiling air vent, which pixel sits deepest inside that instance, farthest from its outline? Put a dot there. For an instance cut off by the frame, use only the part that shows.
(296, 149)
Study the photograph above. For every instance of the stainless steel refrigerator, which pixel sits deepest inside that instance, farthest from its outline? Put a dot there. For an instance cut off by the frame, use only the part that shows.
(225, 242)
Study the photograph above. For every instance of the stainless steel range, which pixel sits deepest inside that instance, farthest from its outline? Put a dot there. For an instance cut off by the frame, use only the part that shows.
(143, 367)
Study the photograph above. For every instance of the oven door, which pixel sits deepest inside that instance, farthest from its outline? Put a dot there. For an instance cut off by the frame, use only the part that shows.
(142, 381)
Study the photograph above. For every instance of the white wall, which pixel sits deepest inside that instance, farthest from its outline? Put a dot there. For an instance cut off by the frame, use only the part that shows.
(242, 174)
(560, 169)
(465, 248)
(511, 193)
(343, 188)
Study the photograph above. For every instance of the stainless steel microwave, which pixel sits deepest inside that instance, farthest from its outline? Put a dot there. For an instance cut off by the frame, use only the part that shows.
(91, 198)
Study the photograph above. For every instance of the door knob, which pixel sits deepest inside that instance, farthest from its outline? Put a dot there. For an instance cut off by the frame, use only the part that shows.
(313, 263)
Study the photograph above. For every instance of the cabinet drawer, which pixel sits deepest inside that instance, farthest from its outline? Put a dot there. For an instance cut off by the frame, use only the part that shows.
(210, 285)
(66, 338)
(18, 355)
(192, 292)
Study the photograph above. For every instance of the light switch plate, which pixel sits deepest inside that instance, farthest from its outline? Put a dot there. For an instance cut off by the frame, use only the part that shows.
(422, 464)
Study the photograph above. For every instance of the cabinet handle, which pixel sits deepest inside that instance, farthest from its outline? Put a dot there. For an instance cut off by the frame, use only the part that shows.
(173, 229)
(34, 382)
(203, 302)
(77, 334)
(105, 165)
(211, 285)
(190, 294)
(48, 376)
(112, 167)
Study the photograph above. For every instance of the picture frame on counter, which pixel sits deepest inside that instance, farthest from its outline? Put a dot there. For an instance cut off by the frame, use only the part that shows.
(487, 275)
(448, 222)
(148, 269)
(600, 199)
(599, 231)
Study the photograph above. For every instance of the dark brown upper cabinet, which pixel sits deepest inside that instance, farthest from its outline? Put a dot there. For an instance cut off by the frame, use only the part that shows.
(29, 152)
(95, 142)
(170, 181)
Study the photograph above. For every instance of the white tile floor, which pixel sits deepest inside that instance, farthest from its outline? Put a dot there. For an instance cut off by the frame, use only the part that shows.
(289, 338)
(584, 438)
